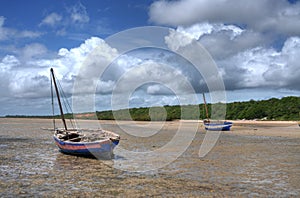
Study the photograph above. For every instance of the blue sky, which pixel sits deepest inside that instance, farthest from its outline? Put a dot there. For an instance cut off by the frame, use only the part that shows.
(255, 45)
(100, 18)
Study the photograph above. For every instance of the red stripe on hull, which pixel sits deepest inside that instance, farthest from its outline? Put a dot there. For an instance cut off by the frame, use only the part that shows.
(80, 146)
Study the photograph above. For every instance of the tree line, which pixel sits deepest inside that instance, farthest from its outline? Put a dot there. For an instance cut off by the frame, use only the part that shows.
(286, 108)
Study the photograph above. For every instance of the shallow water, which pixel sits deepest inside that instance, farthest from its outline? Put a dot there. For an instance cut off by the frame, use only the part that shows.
(30, 165)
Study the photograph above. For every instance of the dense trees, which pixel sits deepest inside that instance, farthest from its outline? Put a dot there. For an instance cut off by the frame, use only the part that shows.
(287, 108)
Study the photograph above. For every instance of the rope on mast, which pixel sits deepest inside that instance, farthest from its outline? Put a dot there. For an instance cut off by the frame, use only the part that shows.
(66, 103)
(52, 103)
(58, 99)
(205, 105)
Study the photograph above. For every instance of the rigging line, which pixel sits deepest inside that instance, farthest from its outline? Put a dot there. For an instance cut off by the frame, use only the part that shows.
(52, 102)
(67, 105)
(65, 101)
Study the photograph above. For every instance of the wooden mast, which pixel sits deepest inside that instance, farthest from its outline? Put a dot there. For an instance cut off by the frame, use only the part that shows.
(206, 110)
(58, 99)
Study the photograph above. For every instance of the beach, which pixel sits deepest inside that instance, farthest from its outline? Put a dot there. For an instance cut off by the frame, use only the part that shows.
(255, 158)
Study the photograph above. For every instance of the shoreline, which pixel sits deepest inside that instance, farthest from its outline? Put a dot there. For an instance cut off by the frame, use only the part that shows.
(177, 120)
(288, 129)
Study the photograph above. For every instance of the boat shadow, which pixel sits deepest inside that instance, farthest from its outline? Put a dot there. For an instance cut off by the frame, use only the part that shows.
(66, 162)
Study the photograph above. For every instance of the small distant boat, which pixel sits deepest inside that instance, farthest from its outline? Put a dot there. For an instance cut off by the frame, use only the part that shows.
(215, 125)
(90, 143)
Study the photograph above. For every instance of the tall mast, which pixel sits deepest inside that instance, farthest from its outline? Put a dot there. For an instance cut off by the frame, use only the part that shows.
(58, 99)
(206, 110)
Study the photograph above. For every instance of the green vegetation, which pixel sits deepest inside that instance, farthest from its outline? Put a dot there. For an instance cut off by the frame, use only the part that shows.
(287, 108)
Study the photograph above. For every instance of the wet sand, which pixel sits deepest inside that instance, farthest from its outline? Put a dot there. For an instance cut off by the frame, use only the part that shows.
(256, 159)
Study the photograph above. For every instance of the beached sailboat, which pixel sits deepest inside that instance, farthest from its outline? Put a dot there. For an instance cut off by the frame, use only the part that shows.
(93, 143)
(215, 125)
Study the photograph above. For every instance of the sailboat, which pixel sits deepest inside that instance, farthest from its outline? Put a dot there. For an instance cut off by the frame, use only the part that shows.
(90, 143)
(215, 125)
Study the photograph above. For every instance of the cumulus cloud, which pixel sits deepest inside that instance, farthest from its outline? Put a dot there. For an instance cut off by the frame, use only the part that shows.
(154, 77)
(286, 71)
(25, 76)
(220, 40)
(33, 50)
(6, 64)
(20, 76)
(19, 81)
(27, 73)
(149, 72)
(245, 59)
(264, 67)
(262, 15)
(200, 29)
(215, 37)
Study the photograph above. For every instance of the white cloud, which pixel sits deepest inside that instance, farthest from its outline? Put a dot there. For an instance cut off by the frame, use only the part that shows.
(2, 19)
(149, 81)
(10, 33)
(287, 71)
(196, 31)
(9, 61)
(175, 40)
(260, 15)
(79, 14)
(154, 72)
(219, 39)
(28, 84)
(27, 74)
(243, 56)
(265, 67)
(140, 99)
(52, 19)
(187, 12)
(75, 17)
(4, 32)
(28, 34)
(82, 66)
(222, 44)
(24, 77)
(18, 81)
(61, 32)
(33, 50)
(254, 63)
(72, 60)
(285, 20)
(153, 89)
